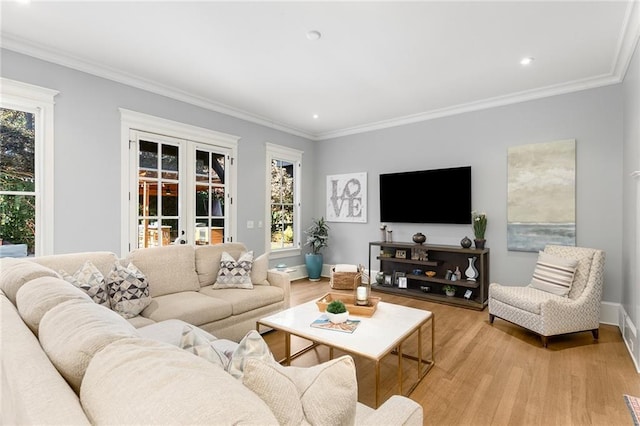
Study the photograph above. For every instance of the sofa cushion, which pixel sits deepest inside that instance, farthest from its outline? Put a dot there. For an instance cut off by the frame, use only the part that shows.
(128, 290)
(183, 388)
(140, 321)
(33, 392)
(90, 280)
(202, 309)
(553, 274)
(14, 273)
(103, 260)
(170, 331)
(242, 300)
(35, 298)
(322, 394)
(208, 260)
(526, 298)
(260, 270)
(72, 332)
(169, 269)
(235, 273)
(584, 256)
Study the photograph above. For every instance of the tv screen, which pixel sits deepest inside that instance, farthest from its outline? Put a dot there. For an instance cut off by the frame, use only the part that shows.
(426, 196)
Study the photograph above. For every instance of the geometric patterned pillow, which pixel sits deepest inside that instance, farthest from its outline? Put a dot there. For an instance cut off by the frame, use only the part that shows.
(192, 341)
(235, 274)
(128, 290)
(89, 279)
(554, 274)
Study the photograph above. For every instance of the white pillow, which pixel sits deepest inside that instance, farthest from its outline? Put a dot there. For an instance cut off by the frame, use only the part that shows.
(128, 290)
(554, 274)
(322, 394)
(90, 280)
(198, 344)
(235, 274)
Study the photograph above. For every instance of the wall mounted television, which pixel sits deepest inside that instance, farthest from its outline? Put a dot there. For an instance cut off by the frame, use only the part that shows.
(426, 196)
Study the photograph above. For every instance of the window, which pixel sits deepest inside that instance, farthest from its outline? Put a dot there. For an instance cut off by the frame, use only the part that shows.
(26, 169)
(180, 183)
(284, 169)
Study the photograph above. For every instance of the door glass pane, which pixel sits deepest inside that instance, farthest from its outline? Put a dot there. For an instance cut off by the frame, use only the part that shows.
(158, 194)
(210, 197)
(17, 151)
(170, 199)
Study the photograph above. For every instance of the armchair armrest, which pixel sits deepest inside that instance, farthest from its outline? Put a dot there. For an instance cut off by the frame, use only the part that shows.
(282, 280)
(561, 316)
(397, 410)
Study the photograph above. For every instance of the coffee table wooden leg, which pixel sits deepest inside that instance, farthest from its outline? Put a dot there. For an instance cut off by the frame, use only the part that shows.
(419, 351)
(287, 348)
(400, 369)
(377, 383)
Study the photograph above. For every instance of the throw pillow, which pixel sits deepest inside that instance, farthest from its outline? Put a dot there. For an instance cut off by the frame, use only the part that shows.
(260, 269)
(90, 280)
(196, 343)
(235, 274)
(554, 274)
(128, 290)
(322, 394)
(252, 346)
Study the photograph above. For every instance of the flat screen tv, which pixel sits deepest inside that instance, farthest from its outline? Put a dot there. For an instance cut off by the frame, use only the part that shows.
(426, 196)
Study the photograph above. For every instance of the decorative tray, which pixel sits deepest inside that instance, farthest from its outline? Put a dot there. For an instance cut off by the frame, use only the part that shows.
(348, 300)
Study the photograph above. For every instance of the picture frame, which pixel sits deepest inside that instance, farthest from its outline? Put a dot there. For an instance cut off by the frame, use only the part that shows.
(388, 280)
(402, 282)
(346, 198)
(401, 254)
(397, 276)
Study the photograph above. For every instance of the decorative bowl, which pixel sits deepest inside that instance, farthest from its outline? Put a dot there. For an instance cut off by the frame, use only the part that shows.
(430, 273)
(337, 318)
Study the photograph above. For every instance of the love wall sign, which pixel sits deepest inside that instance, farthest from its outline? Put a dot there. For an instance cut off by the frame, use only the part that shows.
(347, 198)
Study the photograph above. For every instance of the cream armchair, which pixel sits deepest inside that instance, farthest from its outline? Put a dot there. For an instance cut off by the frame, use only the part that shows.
(549, 314)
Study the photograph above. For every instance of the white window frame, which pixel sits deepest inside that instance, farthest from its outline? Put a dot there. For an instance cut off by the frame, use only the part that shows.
(39, 101)
(280, 152)
(131, 121)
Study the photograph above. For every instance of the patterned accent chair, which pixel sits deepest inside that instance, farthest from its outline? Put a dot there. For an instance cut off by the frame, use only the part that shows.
(548, 314)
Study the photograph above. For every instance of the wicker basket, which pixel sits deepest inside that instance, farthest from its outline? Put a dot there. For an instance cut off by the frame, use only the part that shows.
(345, 280)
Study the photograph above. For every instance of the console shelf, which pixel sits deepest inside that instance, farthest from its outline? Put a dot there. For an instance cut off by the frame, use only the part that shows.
(437, 258)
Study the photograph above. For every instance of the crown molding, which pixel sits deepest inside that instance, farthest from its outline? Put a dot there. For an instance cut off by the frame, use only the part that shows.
(58, 57)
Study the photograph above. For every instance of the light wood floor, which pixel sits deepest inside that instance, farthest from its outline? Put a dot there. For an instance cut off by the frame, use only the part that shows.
(498, 374)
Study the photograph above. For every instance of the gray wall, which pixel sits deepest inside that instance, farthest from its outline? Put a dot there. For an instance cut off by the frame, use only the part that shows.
(480, 139)
(631, 163)
(87, 170)
(87, 153)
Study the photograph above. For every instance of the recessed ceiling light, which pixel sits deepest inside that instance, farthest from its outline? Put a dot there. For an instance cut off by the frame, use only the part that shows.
(315, 116)
(527, 60)
(314, 35)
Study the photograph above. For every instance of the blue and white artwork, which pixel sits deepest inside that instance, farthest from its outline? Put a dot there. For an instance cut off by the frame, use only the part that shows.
(347, 198)
(541, 200)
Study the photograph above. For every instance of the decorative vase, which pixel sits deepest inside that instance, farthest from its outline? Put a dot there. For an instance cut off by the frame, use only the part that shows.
(471, 272)
(465, 242)
(479, 242)
(380, 277)
(383, 231)
(389, 235)
(450, 293)
(337, 318)
(419, 238)
(313, 263)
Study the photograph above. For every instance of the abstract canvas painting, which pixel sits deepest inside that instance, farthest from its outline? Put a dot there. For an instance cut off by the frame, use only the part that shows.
(541, 199)
(347, 198)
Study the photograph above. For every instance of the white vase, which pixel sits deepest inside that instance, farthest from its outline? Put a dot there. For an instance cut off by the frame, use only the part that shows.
(337, 318)
(471, 272)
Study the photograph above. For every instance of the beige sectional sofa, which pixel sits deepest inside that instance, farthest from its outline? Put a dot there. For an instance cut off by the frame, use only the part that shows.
(68, 360)
(181, 279)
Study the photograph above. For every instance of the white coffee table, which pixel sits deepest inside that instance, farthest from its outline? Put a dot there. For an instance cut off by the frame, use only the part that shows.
(374, 338)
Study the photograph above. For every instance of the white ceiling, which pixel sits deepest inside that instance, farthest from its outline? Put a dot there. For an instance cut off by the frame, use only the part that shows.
(377, 64)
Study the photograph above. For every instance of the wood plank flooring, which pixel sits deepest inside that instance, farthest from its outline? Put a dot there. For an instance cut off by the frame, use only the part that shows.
(498, 374)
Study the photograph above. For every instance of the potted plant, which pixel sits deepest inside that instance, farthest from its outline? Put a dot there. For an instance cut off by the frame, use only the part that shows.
(479, 227)
(337, 312)
(317, 239)
(450, 290)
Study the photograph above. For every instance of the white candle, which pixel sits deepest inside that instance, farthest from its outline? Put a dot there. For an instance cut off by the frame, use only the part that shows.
(361, 293)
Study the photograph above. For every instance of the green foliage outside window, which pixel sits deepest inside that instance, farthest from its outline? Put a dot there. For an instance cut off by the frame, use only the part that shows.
(17, 175)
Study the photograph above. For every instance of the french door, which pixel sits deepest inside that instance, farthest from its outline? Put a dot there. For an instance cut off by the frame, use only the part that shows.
(181, 190)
